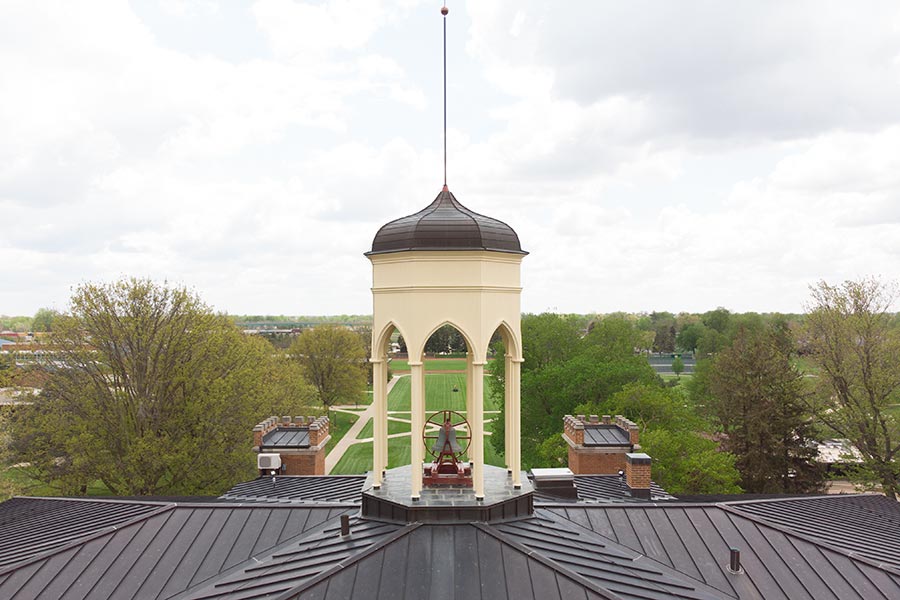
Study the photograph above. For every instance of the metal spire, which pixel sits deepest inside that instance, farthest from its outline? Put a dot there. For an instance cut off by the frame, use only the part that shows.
(444, 11)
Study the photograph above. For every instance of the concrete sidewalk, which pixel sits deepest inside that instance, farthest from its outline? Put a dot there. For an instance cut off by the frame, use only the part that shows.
(338, 451)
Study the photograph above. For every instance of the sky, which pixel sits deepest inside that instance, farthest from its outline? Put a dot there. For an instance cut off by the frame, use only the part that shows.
(651, 155)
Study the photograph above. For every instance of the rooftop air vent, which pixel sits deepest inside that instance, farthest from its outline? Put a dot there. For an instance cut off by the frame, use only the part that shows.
(268, 462)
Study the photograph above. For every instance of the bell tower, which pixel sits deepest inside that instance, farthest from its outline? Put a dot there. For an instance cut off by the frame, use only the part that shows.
(447, 265)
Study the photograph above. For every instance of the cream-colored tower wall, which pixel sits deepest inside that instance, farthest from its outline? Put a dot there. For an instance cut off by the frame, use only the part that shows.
(476, 291)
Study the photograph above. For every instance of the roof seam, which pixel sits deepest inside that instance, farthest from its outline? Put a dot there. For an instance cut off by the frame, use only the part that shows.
(556, 567)
(81, 540)
(819, 542)
(350, 560)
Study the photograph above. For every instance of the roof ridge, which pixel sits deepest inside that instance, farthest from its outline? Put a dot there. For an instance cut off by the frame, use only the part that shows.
(97, 499)
(617, 545)
(253, 561)
(80, 541)
(551, 564)
(350, 560)
(819, 542)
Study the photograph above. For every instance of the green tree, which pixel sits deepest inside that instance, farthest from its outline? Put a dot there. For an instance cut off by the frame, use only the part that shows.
(757, 400)
(651, 406)
(664, 328)
(678, 366)
(855, 343)
(150, 392)
(566, 370)
(43, 319)
(333, 359)
(689, 337)
(686, 462)
(7, 370)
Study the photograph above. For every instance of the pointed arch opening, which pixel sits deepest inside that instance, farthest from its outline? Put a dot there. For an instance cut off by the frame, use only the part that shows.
(503, 367)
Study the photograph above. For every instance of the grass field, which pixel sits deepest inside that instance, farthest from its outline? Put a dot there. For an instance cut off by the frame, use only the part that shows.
(431, 364)
(439, 394)
(393, 427)
(358, 457)
(338, 427)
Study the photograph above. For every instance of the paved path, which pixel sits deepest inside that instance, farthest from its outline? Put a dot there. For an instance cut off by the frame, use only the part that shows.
(345, 442)
(364, 415)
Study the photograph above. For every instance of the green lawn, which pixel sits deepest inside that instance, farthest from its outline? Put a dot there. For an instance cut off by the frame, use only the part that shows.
(439, 394)
(338, 427)
(431, 364)
(358, 457)
(15, 481)
(393, 427)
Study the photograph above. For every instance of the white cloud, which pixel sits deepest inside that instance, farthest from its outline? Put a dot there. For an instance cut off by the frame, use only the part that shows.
(614, 139)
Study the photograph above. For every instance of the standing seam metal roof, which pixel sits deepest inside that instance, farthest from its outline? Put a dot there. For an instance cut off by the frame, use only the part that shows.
(286, 437)
(789, 549)
(299, 488)
(605, 435)
(445, 224)
(162, 554)
(695, 540)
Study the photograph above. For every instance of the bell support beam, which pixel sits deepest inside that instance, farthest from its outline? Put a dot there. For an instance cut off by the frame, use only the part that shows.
(417, 448)
(476, 423)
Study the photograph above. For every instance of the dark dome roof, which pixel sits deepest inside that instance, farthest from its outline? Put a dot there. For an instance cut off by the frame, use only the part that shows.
(445, 224)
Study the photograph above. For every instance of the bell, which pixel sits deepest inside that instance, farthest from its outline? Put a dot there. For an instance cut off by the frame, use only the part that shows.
(446, 441)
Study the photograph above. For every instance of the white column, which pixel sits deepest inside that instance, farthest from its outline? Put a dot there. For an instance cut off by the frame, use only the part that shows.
(417, 401)
(380, 430)
(476, 422)
(507, 415)
(468, 384)
(513, 383)
(378, 392)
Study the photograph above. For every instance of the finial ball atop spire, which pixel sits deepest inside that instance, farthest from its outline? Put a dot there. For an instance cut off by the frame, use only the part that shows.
(444, 11)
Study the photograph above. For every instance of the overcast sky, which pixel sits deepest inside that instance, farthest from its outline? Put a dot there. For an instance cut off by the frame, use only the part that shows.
(650, 155)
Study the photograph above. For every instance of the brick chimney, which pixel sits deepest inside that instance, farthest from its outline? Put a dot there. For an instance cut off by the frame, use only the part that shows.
(300, 442)
(597, 446)
(637, 474)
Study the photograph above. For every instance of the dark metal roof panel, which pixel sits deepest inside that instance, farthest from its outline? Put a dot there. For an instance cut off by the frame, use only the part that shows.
(163, 554)
(445, 224)
(869, 524)
(444, 562)
(602, 488)
(286, 437)
(695, 540)
(299, 489)
(34, 526)
(610, 566)
(297, 563)
(605, 435)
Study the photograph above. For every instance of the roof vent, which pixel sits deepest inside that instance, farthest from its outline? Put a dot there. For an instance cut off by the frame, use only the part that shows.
(559, 482)
(734, 561)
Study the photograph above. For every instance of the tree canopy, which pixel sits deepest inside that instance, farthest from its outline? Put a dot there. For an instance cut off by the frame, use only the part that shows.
(333, 359)
(756, 399)
(562, 370)
(150, 393)
(855, 343)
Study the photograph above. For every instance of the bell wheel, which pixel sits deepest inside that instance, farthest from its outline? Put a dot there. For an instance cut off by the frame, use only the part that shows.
(433, 430)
